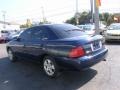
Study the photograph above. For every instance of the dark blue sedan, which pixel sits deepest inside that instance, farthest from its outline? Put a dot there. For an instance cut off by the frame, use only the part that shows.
(58, 46)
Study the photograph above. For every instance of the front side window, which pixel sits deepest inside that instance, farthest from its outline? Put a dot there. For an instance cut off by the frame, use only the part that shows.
(25, 35)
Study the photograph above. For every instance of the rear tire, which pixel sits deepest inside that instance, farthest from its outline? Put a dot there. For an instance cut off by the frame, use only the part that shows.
(50, 67)
(11, 55)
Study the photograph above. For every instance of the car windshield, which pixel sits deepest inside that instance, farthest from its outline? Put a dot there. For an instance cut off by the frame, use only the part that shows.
(4, 31)
(67, 31)
(114, 27)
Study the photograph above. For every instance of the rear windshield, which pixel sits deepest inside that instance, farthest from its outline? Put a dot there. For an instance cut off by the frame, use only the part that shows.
(66, 30)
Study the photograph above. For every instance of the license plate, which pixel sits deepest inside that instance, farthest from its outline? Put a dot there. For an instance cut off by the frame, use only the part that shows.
(96, 45)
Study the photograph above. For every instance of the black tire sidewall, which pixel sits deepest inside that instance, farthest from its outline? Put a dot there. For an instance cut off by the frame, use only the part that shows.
(14, 58)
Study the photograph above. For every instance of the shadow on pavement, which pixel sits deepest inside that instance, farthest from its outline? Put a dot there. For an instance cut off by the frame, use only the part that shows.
(24, 75)
(113, 43)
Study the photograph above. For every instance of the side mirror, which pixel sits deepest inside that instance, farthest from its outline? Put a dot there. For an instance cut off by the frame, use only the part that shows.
(18, 39)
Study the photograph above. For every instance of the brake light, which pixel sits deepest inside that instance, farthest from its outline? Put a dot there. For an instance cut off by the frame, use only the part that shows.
(76, 52)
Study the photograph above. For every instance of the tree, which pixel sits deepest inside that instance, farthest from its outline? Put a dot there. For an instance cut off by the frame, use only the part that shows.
(110, 20)
(27, 25)
(46, 22)
(23, 26)
(71, 21)
(84, 18)
(107, 18)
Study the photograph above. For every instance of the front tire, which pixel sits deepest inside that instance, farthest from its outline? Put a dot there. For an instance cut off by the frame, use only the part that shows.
(50, 67)
(11, 55)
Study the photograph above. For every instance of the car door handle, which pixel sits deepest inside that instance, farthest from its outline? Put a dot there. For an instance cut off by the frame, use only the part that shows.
(24, 45)
(38, 45)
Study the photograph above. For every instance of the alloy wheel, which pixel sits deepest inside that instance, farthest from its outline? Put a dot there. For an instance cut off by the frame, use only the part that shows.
(49, 67)
(10, 55)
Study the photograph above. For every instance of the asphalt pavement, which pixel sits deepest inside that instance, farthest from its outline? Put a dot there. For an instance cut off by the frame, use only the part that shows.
(25, 75)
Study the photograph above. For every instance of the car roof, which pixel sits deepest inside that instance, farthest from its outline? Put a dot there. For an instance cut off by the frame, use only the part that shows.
(51, 24)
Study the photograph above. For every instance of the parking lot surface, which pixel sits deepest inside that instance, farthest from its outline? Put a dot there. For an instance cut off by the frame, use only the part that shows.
(25, 75)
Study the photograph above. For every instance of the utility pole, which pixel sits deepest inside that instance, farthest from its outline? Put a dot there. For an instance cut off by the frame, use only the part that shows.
(76, 14)
(43, 15)
(4, 18)
(96, 17)
(92, 15)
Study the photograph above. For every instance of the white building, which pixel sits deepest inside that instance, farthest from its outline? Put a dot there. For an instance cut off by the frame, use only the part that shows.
(9, 26)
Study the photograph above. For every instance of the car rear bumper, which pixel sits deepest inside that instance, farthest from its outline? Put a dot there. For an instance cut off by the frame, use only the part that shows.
(83, 62)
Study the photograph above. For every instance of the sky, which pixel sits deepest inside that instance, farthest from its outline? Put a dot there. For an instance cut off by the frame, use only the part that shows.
(54, 10)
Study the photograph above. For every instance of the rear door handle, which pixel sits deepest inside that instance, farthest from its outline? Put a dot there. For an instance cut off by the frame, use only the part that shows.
(38, 45)
(24, 45)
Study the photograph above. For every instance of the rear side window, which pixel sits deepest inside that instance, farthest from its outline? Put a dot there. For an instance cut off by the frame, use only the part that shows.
(43, 33)
(49, 34)
(36, 34)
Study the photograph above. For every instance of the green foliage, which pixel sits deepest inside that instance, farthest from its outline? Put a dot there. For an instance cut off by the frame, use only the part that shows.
(27, 25)
(107, 18)
(23, 26)
(45, 22)
(71, 20)
(85, 17)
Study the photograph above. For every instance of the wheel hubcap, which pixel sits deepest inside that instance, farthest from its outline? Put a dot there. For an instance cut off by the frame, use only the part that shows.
(49, 67)
(10, 55)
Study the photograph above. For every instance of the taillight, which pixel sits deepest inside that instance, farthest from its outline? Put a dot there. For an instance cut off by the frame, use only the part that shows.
(76, 52)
